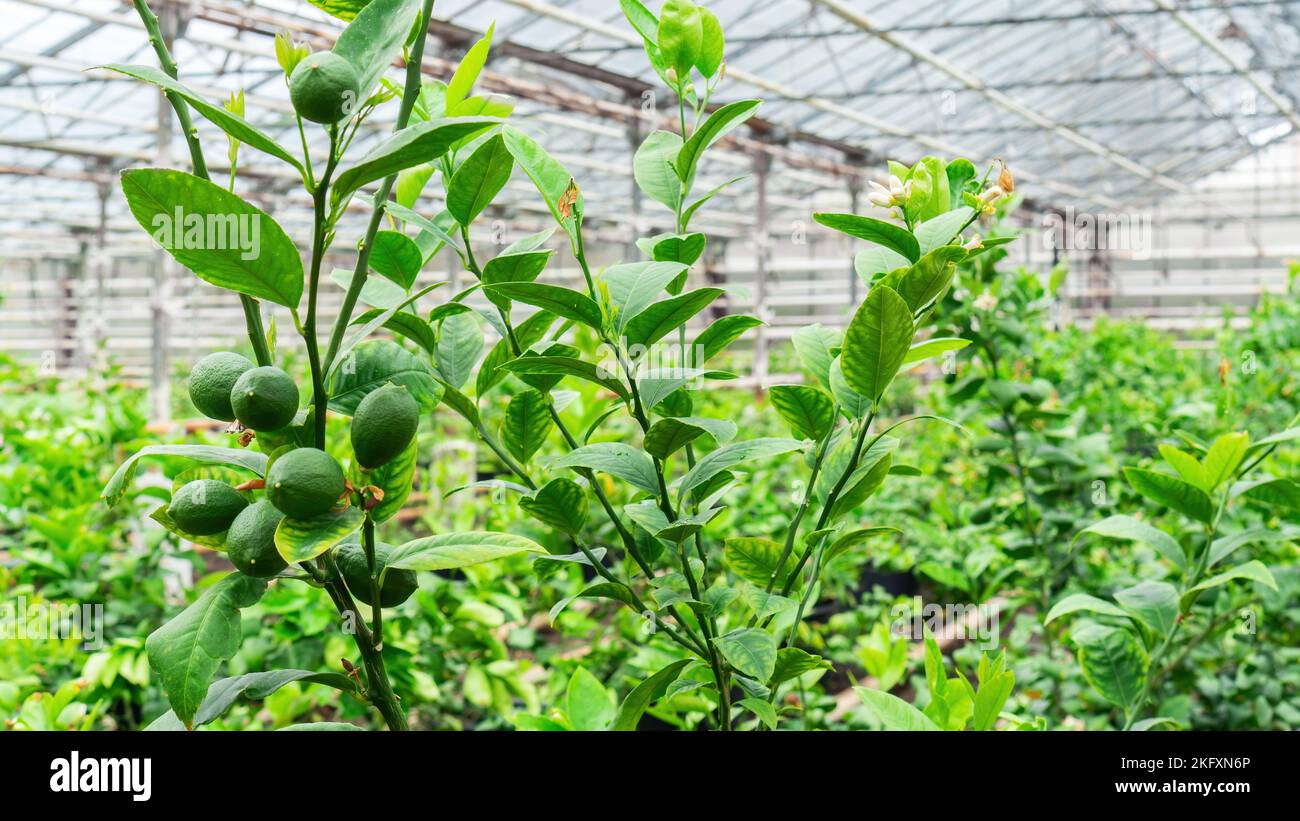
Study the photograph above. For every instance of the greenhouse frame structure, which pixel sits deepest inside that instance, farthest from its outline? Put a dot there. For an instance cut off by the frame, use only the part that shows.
(1165, 128)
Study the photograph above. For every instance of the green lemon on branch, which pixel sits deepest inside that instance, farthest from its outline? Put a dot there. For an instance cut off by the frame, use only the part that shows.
(352, 562)
(385, 422)
(305, 483)
(212, 380)
(250, 544)
(323, 88)
(205, 507)
(264, 399)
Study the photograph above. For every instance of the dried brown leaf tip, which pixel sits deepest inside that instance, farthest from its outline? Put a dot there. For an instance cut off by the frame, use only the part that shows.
(568, 199)
(1005, 181)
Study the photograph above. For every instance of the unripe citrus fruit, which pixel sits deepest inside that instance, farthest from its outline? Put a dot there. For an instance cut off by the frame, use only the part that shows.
(205, 507)
(264, 398)
(383, 425)
(212, 380)
(305, 482)
(398, 584)
(323, 88)
(250, 544)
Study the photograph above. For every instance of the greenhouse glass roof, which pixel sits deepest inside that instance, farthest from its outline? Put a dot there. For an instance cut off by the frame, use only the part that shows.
(1096, 104)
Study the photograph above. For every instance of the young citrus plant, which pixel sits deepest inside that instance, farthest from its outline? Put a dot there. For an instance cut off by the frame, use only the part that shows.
(283, 502)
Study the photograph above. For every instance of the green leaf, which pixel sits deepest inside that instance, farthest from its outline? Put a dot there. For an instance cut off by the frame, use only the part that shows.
(186, 651)
(869, 476)
(527, 424)
(886, 234)
(1113, 661)
(792, 662)
(878, 260)
(1289, 435)
(396, 256)
(523, 266)
(1129, 529)
(645, 23)
(322, 727)
(932, 347)
(588, 704)
(299, 540)
(699, 203)
(813, 344)
(567, 366)
(633, 287)
(876, 342)
(1227, 545)
(714, 339)
(377, 292)
(1253, 571)
(894, 713)
(560, 503)
(765, 712)
(652, 168)
(1082, 602)
(1173, 493)
(942, 230)
(412, 146)
(550, 178)
(733, 454)
(232, 124)
(1186, 466)
(681, 36)
(719, 123)
(750, 651)
(685, 527)
(712, 44)
(993, 694)
(1283, 493)
(644, 694)
(373, 364)
(527, 333)
(685, 249)
(460, 343)
(854, 538)
(395, 478)
(560, 301)
(808, 411)
(1155, 604)
(462, 81)
(479, 179)
(661, 318)
(930, 276)
(764, 604)
(218, 236)
(754, 560)
(374, 37)
(667, 436)
(225, 692)
(452, 551)
(407, 325)
(617, 459)
(249, 460)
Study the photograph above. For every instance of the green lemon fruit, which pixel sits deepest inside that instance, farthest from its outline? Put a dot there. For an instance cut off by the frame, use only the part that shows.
(250, 544)
(205, 507)
(323, 88)
(264, 399)
(305, 482)
(383, 425)
(212, 380)
(398, 584)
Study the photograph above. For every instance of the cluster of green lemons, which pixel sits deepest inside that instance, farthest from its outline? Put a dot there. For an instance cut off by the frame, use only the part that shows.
(302, 482)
